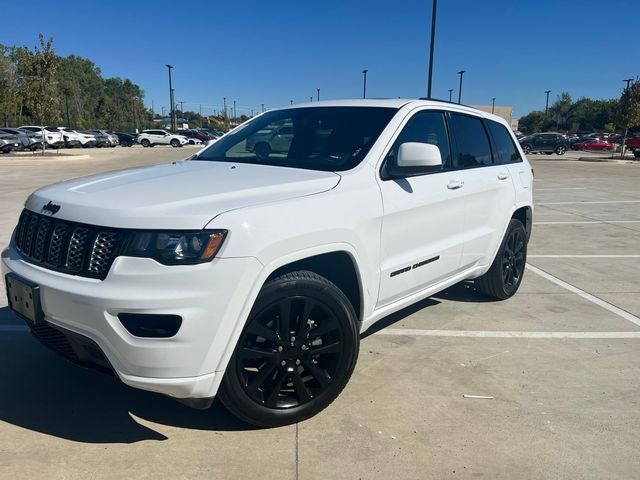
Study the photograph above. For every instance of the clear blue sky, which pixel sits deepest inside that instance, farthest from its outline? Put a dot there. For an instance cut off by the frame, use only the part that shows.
(273, 51)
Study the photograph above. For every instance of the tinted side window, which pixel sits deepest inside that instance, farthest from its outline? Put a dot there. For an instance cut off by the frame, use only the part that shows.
(506, 149)
(424, 127)
(473, 148)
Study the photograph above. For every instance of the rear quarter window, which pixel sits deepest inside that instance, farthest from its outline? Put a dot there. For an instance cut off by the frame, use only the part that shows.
(506, 151)
(473, 148)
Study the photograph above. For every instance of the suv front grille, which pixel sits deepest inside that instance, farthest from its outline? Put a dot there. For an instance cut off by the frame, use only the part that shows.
(67, 247)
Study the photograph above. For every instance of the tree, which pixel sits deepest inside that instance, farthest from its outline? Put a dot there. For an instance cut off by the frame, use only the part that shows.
(40, 87)
(628, 111)
(532, 122)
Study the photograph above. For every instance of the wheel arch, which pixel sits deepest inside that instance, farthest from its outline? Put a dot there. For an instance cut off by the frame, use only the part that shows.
(338, 266)
(525, 215)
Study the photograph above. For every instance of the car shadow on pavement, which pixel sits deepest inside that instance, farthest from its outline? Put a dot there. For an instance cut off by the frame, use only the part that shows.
(41, 391)
(461, 292)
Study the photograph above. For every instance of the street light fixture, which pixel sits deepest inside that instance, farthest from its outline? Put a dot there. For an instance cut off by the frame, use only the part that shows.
(364, 85)
(628, 81)
(171, 108)
(461, 73)
(433, 39)
(546, 105)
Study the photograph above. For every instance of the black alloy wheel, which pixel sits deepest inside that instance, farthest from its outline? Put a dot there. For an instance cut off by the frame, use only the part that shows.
(504, 277)
(289, 352)
(295, 354)
(561, 149)
(526, 148)
(513, 259)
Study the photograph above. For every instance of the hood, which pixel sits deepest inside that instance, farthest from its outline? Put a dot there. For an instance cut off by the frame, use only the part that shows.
(181, 195)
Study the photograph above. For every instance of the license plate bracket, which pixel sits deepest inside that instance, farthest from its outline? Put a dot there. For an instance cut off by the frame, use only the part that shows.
(24, 299)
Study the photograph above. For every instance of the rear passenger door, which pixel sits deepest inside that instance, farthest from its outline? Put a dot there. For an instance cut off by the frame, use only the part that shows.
(488, 189)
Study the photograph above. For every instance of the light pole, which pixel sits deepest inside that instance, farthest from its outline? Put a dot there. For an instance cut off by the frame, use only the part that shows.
(461, 73)
(311, 99)
(234, 110)
(163, 109)
(318, 93)
(433, 39)
(450, 93)
(290, 102)
(262, 105)
(171, 109)
(546, 105)
(493, 104)
(364, 84)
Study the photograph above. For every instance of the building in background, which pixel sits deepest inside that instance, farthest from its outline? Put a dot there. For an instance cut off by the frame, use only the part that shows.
(501, 111)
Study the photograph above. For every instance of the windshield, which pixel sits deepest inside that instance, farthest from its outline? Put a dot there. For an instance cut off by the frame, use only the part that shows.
(314, 138)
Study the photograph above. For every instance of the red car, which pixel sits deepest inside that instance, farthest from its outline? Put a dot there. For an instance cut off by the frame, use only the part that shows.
(593, 144)
(633, 144)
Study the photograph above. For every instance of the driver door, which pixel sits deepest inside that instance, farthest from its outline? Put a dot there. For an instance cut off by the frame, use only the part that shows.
(424, 217)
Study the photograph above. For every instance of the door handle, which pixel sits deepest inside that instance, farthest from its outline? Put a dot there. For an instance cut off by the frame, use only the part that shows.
(455, 184)
(503, 176)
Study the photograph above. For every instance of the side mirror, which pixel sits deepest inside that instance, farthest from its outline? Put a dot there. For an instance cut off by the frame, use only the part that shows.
(415, 158)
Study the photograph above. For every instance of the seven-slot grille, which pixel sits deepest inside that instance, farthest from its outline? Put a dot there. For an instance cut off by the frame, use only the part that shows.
(67, 247)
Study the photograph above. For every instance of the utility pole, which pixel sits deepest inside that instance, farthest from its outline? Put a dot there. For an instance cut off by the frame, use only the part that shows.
(171, 108)
(546, 105)
(493, 104)
(364, 83)
(450, 93)
(262, 104)
(133, 110)
(235, 116)
(318, 94)
(66, 102)
(628, 82)
(311, 99)
(163, 109)
(433, 39)
(290, 102)
(461, 73)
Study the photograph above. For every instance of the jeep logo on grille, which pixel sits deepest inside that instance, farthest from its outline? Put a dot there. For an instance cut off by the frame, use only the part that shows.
(51, 208)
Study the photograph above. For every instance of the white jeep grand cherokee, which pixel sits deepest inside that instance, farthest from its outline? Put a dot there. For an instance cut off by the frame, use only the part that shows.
(251, 277)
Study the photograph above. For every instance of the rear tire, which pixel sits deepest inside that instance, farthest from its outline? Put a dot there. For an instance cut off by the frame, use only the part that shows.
(175, 143)
(526, 148)
(561, 150)
(503, 279)
(296, 353)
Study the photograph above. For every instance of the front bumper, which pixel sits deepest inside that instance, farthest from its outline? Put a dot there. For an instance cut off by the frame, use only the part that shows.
(209, 297)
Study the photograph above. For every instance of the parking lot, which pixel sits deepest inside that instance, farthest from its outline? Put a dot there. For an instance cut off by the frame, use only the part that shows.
(557, 363)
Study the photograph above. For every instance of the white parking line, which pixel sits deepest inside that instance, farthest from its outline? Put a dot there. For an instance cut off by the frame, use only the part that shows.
(583, 256)
(587, 296)
(588, 202)
(597, 222)
(555, 189)
(498, 334)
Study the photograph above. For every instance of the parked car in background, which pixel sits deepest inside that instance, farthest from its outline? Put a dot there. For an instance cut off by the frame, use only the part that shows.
(53, 136)
(633, 144)
(9, 143)
(151, 138)
(201, 135)
(125, 139)
(75, 138)
(545, 143)
(102, 139)
(593, 144)
(26, 141)
(111, 138)
(265, 142)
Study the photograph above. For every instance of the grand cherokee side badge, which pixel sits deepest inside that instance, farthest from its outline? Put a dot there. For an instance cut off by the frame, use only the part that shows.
(52, 208)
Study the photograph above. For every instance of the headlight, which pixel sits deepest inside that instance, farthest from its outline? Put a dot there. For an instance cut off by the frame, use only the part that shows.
(176, 248)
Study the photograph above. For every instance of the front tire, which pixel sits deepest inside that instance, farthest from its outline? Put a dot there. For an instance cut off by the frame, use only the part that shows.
(295, 354)
(175, 143)
(504, 277)
(526, 148)
(145, 143)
